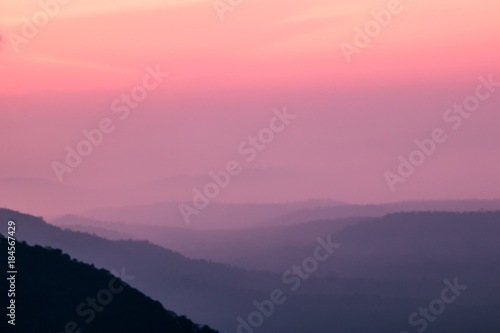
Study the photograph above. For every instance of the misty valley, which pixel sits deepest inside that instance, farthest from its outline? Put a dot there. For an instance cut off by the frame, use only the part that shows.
(415, 271)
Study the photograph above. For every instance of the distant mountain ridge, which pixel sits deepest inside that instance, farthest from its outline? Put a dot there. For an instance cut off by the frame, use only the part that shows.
(221, 216)
(253, 185)
(379, 210)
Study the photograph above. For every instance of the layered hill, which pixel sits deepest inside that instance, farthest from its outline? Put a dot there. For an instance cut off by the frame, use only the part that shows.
(54, 293)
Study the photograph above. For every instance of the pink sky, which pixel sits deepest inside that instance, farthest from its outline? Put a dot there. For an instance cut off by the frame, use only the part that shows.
(226, 77)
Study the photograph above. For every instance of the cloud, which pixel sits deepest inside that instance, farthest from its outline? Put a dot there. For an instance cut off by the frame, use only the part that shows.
(82, 64)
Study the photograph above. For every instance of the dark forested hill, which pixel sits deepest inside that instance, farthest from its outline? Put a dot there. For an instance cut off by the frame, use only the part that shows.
(55, 293)
(202, 290)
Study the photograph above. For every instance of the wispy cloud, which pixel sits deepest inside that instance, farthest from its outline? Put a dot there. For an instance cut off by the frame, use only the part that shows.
(78, 64)
(82, 64)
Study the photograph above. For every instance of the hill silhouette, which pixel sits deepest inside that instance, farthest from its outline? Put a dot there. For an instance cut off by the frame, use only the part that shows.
(202, 290)
(53, 292)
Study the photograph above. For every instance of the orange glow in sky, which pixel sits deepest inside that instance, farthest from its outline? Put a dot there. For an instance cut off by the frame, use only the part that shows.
(259, 43)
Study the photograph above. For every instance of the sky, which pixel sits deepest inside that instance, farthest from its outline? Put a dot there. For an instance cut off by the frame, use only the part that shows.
(225, 76)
